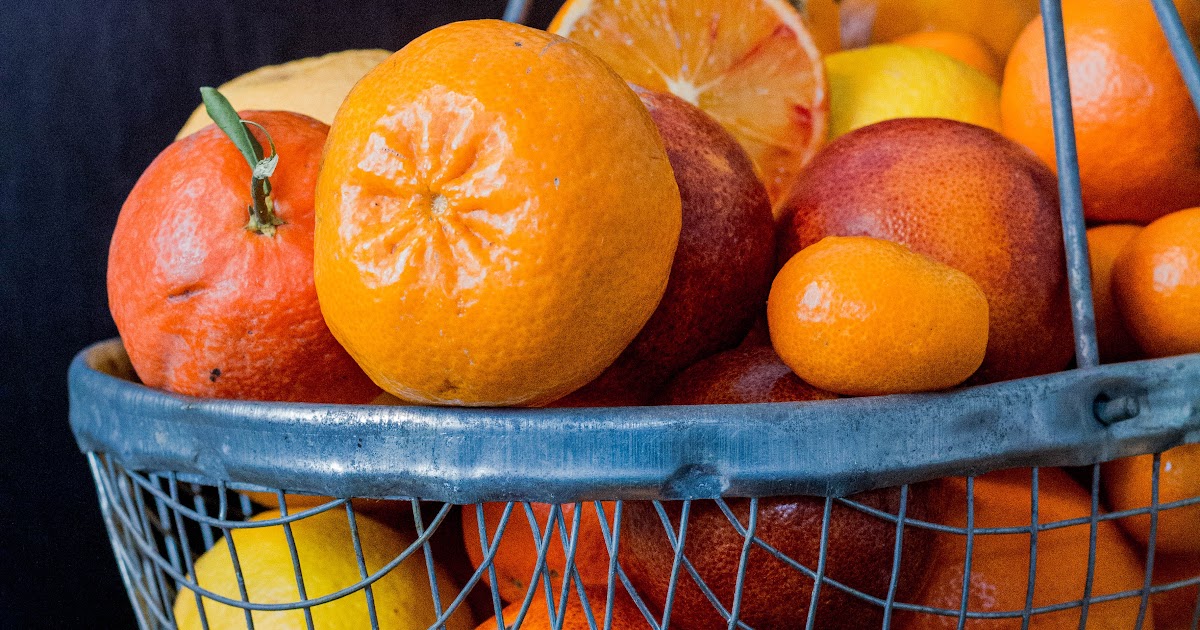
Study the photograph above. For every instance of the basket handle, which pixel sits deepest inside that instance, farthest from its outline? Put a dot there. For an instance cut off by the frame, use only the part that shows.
(517, 11)
(1079, 272)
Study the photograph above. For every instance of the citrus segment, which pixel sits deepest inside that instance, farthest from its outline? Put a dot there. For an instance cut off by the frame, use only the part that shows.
(751, 65)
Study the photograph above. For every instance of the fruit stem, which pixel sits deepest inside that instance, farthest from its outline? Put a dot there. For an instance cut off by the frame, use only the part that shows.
(262, 209)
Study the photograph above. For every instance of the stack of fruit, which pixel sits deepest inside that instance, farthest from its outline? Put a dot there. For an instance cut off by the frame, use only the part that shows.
(691, 202)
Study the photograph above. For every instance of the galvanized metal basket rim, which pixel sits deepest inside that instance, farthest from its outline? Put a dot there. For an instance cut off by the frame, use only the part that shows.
(825, 448)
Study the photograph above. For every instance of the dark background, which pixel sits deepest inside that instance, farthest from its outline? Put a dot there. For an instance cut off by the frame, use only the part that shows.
(90, 92)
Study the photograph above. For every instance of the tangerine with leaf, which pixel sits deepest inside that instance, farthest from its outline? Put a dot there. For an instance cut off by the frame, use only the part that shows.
(210, 271)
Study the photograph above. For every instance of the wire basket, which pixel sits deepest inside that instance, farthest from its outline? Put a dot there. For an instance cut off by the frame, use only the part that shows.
(738, 516)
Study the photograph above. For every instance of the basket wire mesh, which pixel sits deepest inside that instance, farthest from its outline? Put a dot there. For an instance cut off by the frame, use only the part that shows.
(161, 523)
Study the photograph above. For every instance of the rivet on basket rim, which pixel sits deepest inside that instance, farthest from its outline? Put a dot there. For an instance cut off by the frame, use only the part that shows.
(1113, 409)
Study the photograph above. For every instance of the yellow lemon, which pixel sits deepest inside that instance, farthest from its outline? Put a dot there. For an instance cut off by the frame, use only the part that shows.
(314, 86)
(886, 81)
(403, 599)
(962, 46)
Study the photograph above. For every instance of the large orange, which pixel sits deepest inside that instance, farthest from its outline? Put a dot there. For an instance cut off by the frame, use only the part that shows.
(1000, 562)
(1136, 129)
(1156, 285)
(861, 316)
(516, 557)
(1127, 486)
(208, 307)
(1105, 243)
(497, 217)
(964, 196)
(751, 65)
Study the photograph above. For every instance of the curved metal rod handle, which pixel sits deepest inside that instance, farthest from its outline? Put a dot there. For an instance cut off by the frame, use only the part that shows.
(1079, 271)
(517, 11)
(1181, 46)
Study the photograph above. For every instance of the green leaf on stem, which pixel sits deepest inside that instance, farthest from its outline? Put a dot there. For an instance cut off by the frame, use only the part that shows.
(221, 111)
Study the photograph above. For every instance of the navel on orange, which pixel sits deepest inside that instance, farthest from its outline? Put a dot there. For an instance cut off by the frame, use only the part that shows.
(750, 64)
(496, 218)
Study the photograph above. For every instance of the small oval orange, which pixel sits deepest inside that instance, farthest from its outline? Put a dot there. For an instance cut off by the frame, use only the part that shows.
(861, 316)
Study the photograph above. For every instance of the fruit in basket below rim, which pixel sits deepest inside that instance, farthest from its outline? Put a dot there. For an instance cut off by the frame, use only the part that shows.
(208, 307)
(996, 22)
(1156, 285)
(1000, 562)
(1175, 609)
(740, 376)
(752, 66)
(403, 599)
(962, 195)
(516, 557)
(1105, 243)
(887, 81)
(1136, 129)
(723, 264)
(777, 595)
(1127, 484)
(962, 46)
(313, 86)
(475, 248)
(860, 316)
(388, 511)
(625, 615)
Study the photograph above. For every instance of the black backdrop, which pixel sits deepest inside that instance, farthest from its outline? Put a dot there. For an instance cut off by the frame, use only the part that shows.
(90, 92)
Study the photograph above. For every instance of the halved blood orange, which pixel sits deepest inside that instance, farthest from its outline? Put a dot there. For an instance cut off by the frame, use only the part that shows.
(750, 64)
